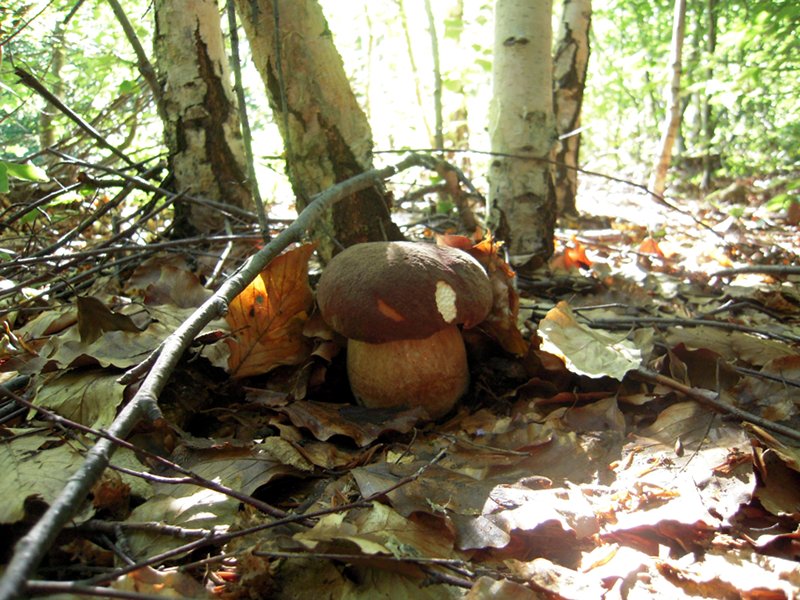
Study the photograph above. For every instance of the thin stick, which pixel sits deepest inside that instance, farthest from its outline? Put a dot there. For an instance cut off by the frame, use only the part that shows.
(30, 81)
(145, 67)
(711, 399)
(437, 78)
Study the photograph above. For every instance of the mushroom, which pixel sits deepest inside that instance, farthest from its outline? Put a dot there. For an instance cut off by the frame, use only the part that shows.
(400, 304)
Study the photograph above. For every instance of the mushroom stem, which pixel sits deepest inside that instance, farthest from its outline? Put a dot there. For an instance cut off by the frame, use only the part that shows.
(430, 372)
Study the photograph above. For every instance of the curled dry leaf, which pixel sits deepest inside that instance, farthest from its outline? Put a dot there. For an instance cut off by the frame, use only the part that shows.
(267, 318)
(501, 324)
(95, 318)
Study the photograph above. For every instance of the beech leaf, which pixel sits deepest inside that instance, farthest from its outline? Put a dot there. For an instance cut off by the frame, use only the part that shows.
(267, 318)
(587, 351)
(95, 318)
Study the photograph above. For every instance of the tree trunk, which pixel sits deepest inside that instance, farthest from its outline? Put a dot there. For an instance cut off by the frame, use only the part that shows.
(47, 134)
(569, 71)
(326, 134)
(706, 114)
(521, 122)
(673, 98)
(206, 154)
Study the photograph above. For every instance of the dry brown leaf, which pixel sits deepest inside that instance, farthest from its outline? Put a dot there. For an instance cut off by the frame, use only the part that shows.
(267, 318)
(501, 324)
(167, 279)
(650, 246)
(95, 318)
(362, 425)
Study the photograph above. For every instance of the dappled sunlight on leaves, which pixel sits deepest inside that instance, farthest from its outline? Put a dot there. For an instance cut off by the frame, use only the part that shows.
(588, 351)
(267, 319)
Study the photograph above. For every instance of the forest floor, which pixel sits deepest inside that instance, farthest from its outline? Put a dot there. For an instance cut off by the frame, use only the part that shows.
(636, 436)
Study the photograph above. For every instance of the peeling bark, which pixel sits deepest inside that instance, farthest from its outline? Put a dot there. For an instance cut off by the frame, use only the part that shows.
(206, 153)
(569, 72)
(326, 134)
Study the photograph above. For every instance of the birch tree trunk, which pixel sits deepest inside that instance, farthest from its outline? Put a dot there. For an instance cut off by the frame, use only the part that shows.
(706, 112)
(202, 132)
(521, 122)
(327, 137)
(672, 119)
(569, 71)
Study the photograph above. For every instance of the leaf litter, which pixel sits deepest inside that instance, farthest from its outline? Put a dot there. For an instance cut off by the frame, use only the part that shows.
(580, 465)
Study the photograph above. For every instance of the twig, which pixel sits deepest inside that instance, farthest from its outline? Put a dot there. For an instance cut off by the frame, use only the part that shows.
(148, 249)
(74, 589)
(664, 321)
(35, 205)
(768, 376)
(30, 81)
(221, 538)
(711, 399)
(437, 78)
(145, 67)
(190, 476)
(424, 563)
(766, 269)
(657, 197)
(99, 526)
(31, 548)
(87, 222)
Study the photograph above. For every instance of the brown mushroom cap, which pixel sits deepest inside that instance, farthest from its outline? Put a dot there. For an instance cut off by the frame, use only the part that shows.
(384, 291)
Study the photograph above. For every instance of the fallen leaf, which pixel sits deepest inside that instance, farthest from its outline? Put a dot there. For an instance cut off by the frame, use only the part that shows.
(34, 466)
(167, 279)
(587, 351)
(95, 318)
(501, 323)
(362, 425)
(87, 397)
(571, 259)
(650, 246)
(170, 584)
(267, 318)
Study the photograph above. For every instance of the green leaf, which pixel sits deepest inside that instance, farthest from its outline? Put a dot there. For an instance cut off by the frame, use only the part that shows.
(453, 85)
(128, 86)
(453, 28)
(486, 65)
(3, 178)
(27, 171)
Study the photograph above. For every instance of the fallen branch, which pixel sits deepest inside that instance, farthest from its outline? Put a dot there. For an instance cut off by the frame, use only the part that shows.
(31, 548)
(711, 400)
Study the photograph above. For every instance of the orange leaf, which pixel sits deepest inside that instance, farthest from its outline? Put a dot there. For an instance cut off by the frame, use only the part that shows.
(501, 323)
(267, 318)
(650, 246)
(572, 259)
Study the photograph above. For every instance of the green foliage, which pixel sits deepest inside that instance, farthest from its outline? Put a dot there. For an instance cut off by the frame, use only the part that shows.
(783, 200)
(27, 172)
(752, 91)
(750, 80)
(98, 77)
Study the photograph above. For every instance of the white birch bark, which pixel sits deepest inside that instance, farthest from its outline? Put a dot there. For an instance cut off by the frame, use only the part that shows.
(672, 119)
(521, 122)
(201, 126)
(326, 133)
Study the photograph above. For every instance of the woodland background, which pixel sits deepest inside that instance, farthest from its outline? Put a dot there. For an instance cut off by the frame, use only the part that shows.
(633, 423)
